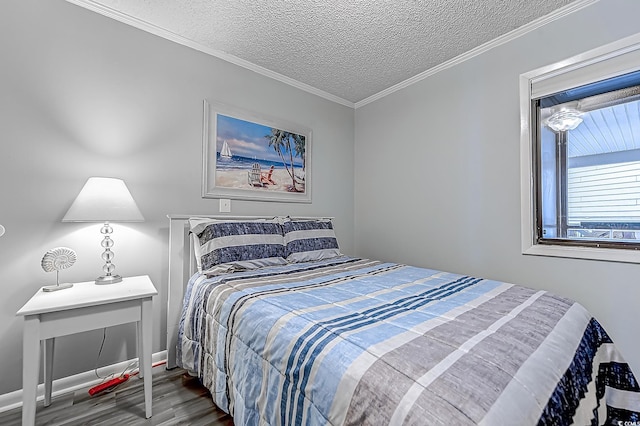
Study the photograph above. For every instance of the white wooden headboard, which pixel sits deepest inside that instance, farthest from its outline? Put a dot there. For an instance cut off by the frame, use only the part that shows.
(182, 266)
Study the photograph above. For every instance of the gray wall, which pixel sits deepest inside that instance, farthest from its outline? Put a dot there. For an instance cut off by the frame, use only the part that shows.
(82, 95)
(438, 173)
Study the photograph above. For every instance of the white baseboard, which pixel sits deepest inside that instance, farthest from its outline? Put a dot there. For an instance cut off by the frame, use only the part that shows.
(11, 400)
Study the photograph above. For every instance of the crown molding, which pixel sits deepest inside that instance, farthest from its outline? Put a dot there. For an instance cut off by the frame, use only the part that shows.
(510, 36)
(169, 35)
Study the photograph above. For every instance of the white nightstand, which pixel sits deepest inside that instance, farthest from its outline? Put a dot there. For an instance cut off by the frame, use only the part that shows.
(85, 306)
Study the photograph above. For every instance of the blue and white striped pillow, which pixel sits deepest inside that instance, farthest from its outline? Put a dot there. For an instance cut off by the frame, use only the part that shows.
(309, 240)
(225, 246)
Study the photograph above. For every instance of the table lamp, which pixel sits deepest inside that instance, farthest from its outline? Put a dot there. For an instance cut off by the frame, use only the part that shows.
(104, 200)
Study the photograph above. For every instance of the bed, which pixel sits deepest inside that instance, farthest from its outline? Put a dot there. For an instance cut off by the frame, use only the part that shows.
(314, 337)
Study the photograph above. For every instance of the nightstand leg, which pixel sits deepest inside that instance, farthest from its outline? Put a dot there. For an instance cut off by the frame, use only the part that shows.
(139, 335)
(48, 369)
(30, 368)
(145, 361)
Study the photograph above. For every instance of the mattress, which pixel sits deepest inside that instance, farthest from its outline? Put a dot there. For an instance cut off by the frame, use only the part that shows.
(358, 341)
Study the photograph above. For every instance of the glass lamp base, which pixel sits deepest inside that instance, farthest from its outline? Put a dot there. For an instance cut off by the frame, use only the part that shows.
(108, 279)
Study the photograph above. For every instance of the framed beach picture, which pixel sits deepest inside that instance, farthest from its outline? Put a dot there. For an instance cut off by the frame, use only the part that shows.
(248, 156)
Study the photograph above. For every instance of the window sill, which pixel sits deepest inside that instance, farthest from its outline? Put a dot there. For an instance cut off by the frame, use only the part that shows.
(588, 253)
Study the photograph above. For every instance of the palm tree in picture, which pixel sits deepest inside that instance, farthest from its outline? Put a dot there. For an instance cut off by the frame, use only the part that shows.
(299, 146)
(280, 141)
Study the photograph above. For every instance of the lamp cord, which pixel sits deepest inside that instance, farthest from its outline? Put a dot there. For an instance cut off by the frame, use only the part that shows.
(132, 364)
(104, 337)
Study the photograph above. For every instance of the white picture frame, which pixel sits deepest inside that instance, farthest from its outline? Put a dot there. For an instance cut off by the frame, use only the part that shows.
(249, 156)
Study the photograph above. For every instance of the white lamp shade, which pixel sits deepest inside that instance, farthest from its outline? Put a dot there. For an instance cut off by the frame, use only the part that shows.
(104, 200)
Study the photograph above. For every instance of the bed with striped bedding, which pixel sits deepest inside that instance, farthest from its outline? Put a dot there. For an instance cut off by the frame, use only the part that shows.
(356, 341)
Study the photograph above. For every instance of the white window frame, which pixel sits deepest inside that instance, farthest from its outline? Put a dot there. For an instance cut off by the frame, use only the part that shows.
(619, 57)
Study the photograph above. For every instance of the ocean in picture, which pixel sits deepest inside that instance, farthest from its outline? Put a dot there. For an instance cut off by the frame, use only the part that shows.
(244, 163)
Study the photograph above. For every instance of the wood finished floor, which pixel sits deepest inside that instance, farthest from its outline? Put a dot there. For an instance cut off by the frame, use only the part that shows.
(178, 399)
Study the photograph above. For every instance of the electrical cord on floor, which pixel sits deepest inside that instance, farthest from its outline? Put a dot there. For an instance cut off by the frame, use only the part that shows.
(135, 373)
(133, 364)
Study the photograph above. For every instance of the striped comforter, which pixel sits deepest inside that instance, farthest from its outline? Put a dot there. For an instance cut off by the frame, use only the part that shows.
(355, 341)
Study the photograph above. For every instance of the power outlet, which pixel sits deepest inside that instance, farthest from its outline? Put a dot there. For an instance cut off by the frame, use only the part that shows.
(225, 205)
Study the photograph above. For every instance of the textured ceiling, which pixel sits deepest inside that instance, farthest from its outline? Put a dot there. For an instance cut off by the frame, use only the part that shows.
(350, 49)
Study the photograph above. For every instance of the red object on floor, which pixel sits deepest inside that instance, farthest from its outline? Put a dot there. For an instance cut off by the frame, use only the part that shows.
(108, 385)
(111, 384)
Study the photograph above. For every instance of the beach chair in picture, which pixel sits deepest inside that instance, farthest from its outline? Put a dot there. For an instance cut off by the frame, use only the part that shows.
(254, 175)
(265, 177)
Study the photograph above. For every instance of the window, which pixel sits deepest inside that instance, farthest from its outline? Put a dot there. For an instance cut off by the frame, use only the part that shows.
(588, 170)
(581, 155)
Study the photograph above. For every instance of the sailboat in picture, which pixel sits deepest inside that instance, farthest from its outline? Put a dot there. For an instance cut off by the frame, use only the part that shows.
(225, 152)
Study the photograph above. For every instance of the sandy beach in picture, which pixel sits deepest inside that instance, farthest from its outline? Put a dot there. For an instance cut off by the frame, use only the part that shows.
(239, 179)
